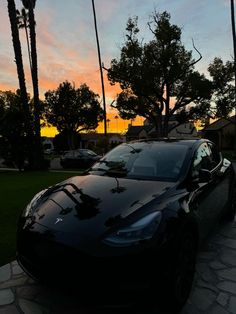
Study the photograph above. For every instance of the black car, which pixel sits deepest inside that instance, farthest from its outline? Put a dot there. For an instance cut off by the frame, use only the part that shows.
(138, 215)
(79, 158)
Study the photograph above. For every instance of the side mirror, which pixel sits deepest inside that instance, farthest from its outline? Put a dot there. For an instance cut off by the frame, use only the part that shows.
(224, 167)
(204, 176)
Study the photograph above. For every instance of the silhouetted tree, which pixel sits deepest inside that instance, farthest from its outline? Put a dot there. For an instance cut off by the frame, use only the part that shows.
(30, 5)
(154, 74)
(23, 23)
(223, 87)
(222, 100)
(12, 127)
(21, 75)
(72, 110)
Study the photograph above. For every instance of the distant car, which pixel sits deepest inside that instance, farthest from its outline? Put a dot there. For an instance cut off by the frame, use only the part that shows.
(48, 151)
(79, 158)
(138, 215)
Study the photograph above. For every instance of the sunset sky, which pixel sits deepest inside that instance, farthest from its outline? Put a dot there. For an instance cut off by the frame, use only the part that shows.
(67, 46)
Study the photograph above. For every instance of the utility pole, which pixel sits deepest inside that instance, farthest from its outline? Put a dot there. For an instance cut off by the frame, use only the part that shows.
(234, 44)
(100, 66)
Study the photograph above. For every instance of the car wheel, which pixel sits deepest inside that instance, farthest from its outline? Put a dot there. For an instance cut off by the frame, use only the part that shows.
(183, 270)
(231, 210)
(175, 287)
(171, 288)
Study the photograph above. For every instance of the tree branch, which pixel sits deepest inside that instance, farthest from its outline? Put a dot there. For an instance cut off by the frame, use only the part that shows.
(200, 55)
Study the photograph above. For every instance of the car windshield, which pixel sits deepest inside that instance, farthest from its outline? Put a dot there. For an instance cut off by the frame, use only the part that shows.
(143, 160)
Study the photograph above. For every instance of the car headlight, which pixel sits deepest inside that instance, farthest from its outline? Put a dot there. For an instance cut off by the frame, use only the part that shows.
(28, 210)
(143, 229)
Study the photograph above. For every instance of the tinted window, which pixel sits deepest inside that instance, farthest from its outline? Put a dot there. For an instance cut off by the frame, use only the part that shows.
(216, 157)
(202, 159)
(87, 152)
(149, 160)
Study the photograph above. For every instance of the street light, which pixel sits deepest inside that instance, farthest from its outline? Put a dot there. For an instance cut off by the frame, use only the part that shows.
(100, 66)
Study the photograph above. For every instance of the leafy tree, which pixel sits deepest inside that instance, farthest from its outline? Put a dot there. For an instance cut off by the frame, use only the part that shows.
(157, 78)
(224, 91)
(72, 110)
(222, 101)
(60, 141)
(12, 128)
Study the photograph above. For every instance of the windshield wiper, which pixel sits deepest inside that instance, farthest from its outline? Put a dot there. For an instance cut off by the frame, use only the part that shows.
(97, 169)
(116, 172)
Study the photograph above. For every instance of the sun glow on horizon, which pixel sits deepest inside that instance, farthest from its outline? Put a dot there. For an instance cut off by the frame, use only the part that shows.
(114, 125)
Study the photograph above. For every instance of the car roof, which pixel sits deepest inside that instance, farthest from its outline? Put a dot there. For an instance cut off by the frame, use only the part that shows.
(179, 141)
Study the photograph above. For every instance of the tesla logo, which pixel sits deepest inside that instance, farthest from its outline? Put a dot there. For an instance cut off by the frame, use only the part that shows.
(58, 220)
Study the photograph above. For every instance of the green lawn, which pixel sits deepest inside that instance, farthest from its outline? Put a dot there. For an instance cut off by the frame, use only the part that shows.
(16, 190)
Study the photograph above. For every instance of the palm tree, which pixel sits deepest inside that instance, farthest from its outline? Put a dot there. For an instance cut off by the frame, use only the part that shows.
(108, 124)
(30, 5)
(23, 23)
(116, 118)
(20, 71)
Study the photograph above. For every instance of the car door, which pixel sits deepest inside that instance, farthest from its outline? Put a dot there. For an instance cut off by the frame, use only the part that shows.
(205, 196)
(221, 172)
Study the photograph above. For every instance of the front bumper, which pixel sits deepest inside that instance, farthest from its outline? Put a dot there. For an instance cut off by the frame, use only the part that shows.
(48, 256)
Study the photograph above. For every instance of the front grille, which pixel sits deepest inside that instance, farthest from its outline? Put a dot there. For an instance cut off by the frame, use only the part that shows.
(44, 257)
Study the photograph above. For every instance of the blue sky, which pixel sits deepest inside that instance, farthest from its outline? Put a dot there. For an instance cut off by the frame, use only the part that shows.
(66, 37)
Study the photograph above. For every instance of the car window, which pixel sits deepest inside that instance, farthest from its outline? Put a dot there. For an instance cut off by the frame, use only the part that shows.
(87, 152)
(202, 159)
(69, 154)
(91, 153)
(216, 156)
(150, 160)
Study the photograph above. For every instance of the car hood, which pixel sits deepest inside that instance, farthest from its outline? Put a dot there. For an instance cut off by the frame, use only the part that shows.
(91, 204)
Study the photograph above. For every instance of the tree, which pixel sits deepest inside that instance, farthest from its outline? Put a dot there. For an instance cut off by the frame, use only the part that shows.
(23, 23)
(30, 5)
(157, 78)
(223, 97)
(20, 73)
(72, 110)
(12, 128)
(222, 101)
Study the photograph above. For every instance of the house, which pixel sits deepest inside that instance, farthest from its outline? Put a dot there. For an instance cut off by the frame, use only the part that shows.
(91, 140)
(148, 131)
(138, 132)
(221, 132)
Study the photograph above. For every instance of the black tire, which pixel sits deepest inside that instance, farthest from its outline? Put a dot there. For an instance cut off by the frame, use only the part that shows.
(231, 210)
(180, 283)
(170, 290)
(231, 207)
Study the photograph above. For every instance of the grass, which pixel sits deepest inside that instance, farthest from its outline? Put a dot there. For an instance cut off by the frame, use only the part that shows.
(16, 190)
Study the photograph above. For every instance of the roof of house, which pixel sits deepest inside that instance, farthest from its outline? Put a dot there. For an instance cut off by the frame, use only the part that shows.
(96, 136)
(134, 130)
(219, 124)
